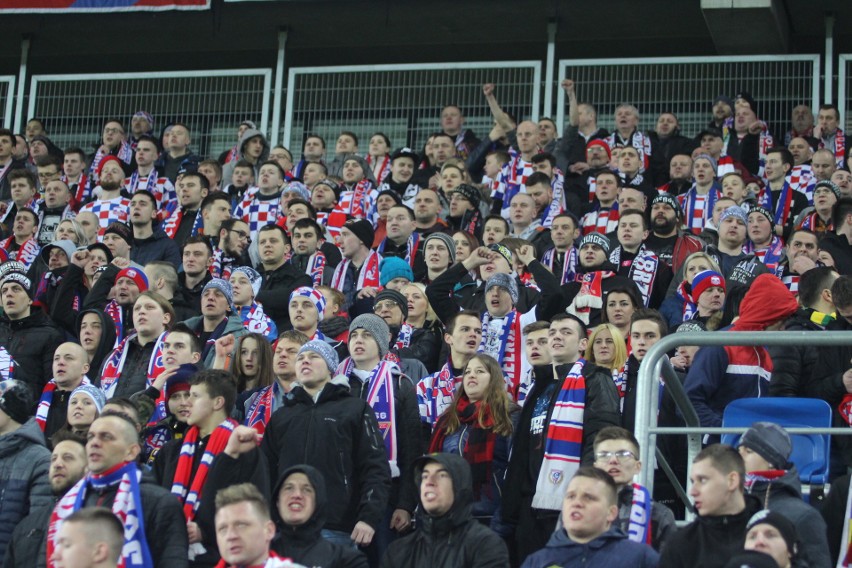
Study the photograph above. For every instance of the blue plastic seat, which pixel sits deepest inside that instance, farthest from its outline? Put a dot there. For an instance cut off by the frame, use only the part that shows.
(810, 451)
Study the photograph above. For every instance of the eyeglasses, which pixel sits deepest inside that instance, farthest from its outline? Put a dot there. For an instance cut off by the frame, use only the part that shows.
(620, 455)
(113, 131)
(242, 235)
(388, 304)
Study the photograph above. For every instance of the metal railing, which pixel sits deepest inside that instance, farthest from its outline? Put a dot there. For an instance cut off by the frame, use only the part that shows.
(656, 364)
(844, 89)
(7, 95)
(212, 103)
(687, 86)
(402, 101)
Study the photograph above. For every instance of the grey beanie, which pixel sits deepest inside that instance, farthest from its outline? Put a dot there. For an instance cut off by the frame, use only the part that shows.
(225, 287)
(93, 392)
(447, 240)
(325, 351)
(506, 281)
(770, 441)
(375, 326)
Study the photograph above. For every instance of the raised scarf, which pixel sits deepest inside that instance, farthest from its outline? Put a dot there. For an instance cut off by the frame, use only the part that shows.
(478, 447)
(839, 147)
(380, 397)
(116, 314)
(368, 276)
(46, 399)
(590, 296)
(639, 527)
(316, 267)
(638, 140)
(127, 506)
(7, 365)
(435, 393)
(403, 339)
(222, 265)
(190, 494)
(564, 443)
(505, 346)
(115, 364)
(569, 263)
(643, 270)
(261, 408)
(256, 321)
(124, 154)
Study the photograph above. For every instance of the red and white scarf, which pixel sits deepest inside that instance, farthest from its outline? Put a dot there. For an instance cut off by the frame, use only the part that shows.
(638, 140)
(115, 364)
(356, 201)
(839, 147)
(590, 296)
(316, 267)
(603, 221)
(564, 442)
(262, 407)
(190, 494)
(46, 399)
(505, 346)
(124, 153)
(368, 276)
(274, 561)
(26, 253)
(698, 208)
(381, 168)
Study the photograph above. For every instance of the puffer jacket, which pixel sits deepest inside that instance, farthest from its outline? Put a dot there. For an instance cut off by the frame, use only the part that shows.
(794, 365)
(609, 549)
(228, 170)
(24, 484)
(29, 540)
(453, 540)
(784, 495)
(304, 543)
(31, 342)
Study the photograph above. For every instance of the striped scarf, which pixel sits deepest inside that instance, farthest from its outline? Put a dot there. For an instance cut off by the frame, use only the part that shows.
(261, 408)
(839, 147)
(124, 154)
(7, 365)
(221, 265)
(190, 494)
(697, 208)
(46, 399)
(127, 506)
(781, 209)
(356, 202)
(569, 263)
(770, 255)
(511, 181)
(435, 393)
(380, 397)
(256, 321)
(368, 276)
(116, 314)
(172, 224)
(26, 253)
(638, 140)
(411, 248)
(84, 188)
(643, 270)
(590, 296)
(381, 168)
(639, 529)
(403, 339)
(115, 364)
(316, 267)
(690, 307)
(813, 222)
(564, 443)
(505, 346)
(600, 220)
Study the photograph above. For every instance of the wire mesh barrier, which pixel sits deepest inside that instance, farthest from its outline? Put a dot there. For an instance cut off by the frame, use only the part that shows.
(210, 103)
(403, 101)
(844, 89)
(687, 86)
(7, 95)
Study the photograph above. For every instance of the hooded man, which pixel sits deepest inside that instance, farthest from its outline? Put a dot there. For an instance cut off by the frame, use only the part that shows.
(447, 533)
(253, 148)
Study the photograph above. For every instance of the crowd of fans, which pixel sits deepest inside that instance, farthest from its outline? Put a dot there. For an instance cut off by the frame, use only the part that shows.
(396, 357)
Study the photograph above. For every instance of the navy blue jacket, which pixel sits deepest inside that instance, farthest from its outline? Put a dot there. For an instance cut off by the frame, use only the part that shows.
(610, 549)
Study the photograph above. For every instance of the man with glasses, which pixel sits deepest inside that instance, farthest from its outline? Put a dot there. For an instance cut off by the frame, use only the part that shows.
(284, 158)
(643, 520)
(113, 143)
(234, 241)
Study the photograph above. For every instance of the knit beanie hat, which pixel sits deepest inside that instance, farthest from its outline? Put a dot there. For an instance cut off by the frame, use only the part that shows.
(21, 279)
(470, 193)
(602, 144)
(710, 159)
(93, 392)
(668, 200)
(12, 266)
(299, 189)
(107, 159)
(734, 211)
(746, 96)
(253, 276)
(503, 251)
(784, 526)
(770, 441)
(706, 279)
(690, 325)
(763, 211)
(505, 281)
(362, 229)
(596, 239)
(394, 297)
(180, 380)
(751, 559)
(120, 229)
(325, 351)
(375, 326)
(225, 288)
(136, 275)
(147, 116)
(394, 267)
(16, 400)
(725, 99)
(830, 185)
(392, 194)
(313, 295)
(448, 242)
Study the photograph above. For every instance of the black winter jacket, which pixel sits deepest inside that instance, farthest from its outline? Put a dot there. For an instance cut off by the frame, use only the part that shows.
(304, 543)
(156, 247)
(105, 346)
(275, 290)
(453, 540)
(29, 541)
(793, 366)
(31, 342)
(832, 362)
(338, 434)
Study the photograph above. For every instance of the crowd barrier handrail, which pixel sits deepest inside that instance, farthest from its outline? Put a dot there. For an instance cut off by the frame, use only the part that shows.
(9, 81)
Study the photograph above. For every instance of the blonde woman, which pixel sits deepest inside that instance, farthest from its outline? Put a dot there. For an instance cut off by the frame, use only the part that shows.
(607, 348)
(682, 306)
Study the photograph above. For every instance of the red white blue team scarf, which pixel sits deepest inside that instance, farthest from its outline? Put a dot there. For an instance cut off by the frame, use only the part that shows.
(403, 339)
(368, 276)
(813, 222)
(411, 248)
(172, 224)
(689, 305)
(639, 529)
(435, 393)
(26, 254)
(115, 364)
(7, 365)
(124, 153)
(46, 400)
(564, 442)
(511, 181)
(380, 398)
(643, 270)
(771, 255)
(381, 169)
(127, 506)
(316, 267)
(262, 407)
(638, 140)
(256, 321)
(222, 265)
(84, 188)
(781, 210)
(590, 296)
(116, 314)
(190, 493)
(505, 346)
(839, 147)
(356, 202)
(698, 208)
(569, 263)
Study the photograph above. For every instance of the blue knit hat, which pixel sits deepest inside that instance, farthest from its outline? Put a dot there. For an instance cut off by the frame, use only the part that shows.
(93, 392)
(394, 267)
(325, 351)
(225, 287)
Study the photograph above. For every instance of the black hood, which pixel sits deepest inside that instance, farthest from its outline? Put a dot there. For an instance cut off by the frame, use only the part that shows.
(309, 531)
(460, 512)
(107, 340)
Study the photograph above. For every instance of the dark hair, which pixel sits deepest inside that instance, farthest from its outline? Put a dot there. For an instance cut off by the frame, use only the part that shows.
(498, 218)
(609, 173)
(275, 227)
(616, 433)
(195, 345)
(725, 459)
(127, 404)
(626, 212)
(830, 107)
(569, 215)
(813, 282)
(312, 213)
(77, 150)
(538, 178)
(627, 289)
(22, 173)
(841, 292)
(584, 330)
(278, 167)
(642, 314)
(49, 160)
(121, 124)
(243, 163)
(786, 156)
(218, 383)
(195, 239)
(733, 298)
(30, 211)
(322, 166)
(213, 164)
(151, 139)
(535, 326)
(63, 435)
(384, 137)
(443, 135)
(451, 323)
(472, 241)
(314, 135)
(352, 135)
(842, 209)
(202, 179)
(602, 476)
(408, 210)
(264, 362)
(9, 134)
(213, 197)
(309, 224)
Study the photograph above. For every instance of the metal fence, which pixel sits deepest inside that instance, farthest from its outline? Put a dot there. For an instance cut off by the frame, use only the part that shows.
(7, 95)
(403, 101)
(210, 103)
(656, 364)
(844, 89)
(687, 86)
